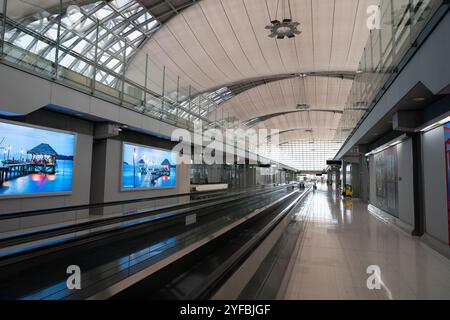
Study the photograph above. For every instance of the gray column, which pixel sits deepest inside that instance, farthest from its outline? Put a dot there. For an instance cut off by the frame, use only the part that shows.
(364, 179)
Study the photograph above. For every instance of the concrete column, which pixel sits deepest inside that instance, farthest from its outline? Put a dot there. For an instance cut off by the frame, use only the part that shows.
(337, 173)
(329, 178)
(355, 180)
(344, 174)
(364, 179)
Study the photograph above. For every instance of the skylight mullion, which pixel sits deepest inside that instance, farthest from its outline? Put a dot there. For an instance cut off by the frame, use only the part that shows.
(15, 35)
(122, 40)
(144, 11)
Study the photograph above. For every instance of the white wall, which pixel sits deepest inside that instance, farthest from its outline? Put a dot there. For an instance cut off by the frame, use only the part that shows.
(435, 186)
(372, 180)
(406, 182)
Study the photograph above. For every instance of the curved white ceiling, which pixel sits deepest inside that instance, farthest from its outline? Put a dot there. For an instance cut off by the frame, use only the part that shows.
(320, 134)
(327, 93)
(218, 42)
(305, 119)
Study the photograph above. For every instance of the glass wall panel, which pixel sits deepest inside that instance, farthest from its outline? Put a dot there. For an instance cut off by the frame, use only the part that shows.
(401, 23)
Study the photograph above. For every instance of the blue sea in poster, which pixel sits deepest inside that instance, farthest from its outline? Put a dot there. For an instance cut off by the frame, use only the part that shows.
(34, 160)
(145, 167)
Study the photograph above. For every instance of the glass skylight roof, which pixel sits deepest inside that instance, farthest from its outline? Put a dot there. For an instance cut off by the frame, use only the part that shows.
(111, 31)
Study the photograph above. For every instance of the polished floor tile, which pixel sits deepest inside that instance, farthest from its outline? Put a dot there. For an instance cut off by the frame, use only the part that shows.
(342, 240)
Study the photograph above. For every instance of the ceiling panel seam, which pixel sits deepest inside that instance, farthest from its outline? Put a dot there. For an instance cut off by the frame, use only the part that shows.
(203, 48)
(234, 33)
(218, 40)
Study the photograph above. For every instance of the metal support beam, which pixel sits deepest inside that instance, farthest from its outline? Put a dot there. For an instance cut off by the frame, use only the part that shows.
(122, 89)
(58, 40)
(163, 91)
(94, 71)
(2, 43)
(146, 79)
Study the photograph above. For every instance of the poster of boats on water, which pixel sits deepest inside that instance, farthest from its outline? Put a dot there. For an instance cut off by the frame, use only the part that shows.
(147, 168)
(35, 161)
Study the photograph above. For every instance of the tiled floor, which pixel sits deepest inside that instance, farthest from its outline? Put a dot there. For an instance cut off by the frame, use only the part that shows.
(342, 239)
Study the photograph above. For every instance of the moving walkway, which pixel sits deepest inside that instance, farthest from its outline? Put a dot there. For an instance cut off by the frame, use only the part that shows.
(180, 251)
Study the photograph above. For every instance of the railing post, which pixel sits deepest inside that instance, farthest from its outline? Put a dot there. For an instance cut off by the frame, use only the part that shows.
(94, 71)
(190, 104)
(2, 48)
(222, 123)
(58, 40)
(178, 99)
(216, 125)
(163, 91)
(199, 106)
(146, 80)
(411, 23)
(394, 42)
(122, 89)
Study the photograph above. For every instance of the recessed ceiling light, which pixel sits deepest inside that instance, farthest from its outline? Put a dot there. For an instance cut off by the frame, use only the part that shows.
(419, 99)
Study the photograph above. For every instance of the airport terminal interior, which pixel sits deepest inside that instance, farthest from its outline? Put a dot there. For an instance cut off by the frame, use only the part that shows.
(224, 150)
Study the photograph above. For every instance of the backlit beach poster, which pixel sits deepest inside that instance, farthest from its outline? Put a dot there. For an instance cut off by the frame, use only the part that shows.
(145, 167)
(35, 161)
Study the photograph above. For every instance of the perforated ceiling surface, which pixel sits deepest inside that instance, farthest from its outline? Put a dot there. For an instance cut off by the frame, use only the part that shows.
(216, 43)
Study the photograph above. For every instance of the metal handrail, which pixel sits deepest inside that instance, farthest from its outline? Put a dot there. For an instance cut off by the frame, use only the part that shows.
(16, 215)
(90, 225)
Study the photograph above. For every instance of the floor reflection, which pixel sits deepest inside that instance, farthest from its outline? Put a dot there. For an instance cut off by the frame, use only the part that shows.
(342, 240)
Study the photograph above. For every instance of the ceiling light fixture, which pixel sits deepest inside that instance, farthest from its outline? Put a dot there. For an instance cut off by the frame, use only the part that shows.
(302, 106)
(286, 27)
(436, 124)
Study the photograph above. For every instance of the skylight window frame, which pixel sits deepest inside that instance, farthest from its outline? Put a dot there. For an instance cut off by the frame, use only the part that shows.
(74, 38)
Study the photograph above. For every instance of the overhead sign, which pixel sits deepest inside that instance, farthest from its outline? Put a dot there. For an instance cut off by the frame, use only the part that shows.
(334, 162)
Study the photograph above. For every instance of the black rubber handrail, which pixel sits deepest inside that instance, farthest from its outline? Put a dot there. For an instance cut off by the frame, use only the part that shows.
(58, 231)
(222, 273)
(14, 215)
(66, 229)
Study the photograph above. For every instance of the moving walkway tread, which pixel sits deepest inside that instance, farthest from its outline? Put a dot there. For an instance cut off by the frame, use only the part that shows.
(200, 273)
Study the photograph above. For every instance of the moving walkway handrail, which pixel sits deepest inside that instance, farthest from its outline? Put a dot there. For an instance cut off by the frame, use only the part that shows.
(44, 234)
(222, 272)
(15, 215)
(108, 272)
